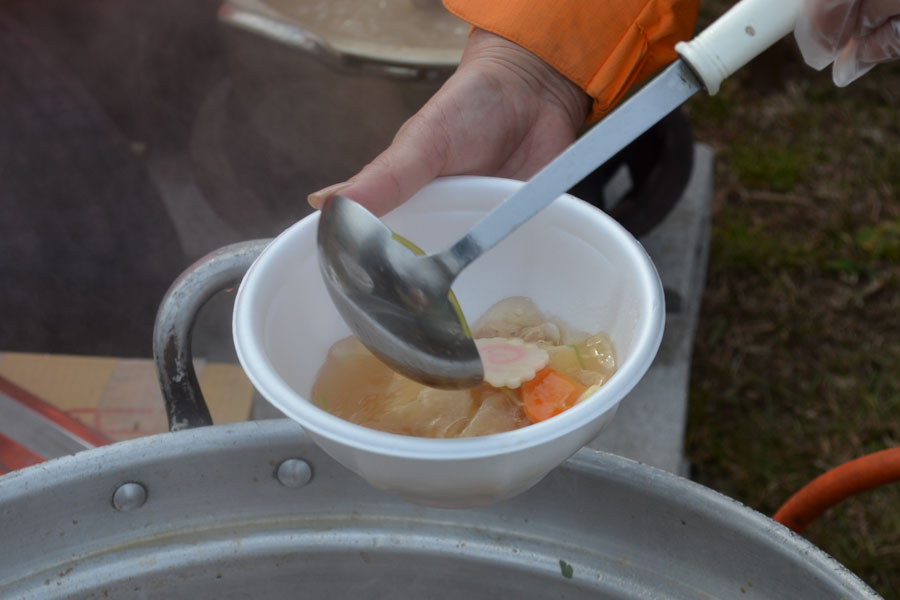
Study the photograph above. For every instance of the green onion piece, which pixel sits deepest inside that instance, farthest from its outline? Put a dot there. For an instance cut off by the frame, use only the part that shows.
(456, 308)
(578, 355)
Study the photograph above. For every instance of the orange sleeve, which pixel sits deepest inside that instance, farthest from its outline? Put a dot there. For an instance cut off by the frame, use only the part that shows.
(603, 47)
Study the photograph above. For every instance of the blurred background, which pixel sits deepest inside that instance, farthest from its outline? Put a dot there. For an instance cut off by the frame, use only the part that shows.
(138, 136)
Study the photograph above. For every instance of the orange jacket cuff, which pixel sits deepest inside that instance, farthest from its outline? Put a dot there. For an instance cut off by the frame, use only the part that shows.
(604, 48)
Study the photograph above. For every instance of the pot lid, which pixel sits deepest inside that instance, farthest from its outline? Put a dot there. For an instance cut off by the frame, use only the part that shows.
(392, 32)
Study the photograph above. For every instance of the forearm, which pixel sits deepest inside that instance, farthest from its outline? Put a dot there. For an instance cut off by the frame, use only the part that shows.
(604, 48)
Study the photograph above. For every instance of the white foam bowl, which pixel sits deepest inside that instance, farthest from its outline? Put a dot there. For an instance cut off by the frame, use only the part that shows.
(573, 260)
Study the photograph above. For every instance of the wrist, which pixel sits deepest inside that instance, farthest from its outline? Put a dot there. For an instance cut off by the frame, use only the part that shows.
(490, 49)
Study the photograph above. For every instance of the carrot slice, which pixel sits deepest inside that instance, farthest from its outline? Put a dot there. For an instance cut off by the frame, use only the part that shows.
(548, 394)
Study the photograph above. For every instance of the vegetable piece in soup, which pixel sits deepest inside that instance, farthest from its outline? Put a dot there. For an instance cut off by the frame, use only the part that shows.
(354, 385)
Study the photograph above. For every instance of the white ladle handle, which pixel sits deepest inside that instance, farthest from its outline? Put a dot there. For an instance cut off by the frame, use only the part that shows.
(732, 41)
(737, 37)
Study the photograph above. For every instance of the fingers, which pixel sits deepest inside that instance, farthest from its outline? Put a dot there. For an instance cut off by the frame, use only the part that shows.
(861, 55)
(416, 156)
(823, 28)
(875, 13)
(854, 35)
(882, 44)
(847, 67)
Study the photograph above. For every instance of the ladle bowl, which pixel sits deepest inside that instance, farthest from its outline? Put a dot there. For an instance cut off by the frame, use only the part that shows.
(396, 301)
(574, 261)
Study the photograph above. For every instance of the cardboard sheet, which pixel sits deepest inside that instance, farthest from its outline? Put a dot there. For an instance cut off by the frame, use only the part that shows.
(120, 398)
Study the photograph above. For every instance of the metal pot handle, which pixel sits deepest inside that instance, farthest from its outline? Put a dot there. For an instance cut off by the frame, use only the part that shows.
(219, 270)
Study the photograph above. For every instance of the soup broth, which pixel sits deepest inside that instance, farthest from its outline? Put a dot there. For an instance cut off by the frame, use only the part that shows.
(354, 385)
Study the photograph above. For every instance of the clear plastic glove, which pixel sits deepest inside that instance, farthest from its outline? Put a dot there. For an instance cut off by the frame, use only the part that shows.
(854, 35)
(504, 112)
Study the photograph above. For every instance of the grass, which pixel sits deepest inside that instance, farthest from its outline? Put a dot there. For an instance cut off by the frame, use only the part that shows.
(796, 366)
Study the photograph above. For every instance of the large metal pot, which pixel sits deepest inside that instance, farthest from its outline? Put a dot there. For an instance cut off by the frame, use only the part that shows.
(256, 510)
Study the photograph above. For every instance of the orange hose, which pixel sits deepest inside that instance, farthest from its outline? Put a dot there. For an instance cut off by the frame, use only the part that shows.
(843, 481)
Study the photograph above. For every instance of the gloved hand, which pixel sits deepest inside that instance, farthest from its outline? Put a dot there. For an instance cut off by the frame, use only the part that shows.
(855, 35)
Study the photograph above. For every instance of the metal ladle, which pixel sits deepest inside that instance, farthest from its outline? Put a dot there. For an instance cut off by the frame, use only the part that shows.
(398, 303)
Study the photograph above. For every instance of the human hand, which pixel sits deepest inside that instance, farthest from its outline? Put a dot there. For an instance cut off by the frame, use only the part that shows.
(504, 112)
(855, 35)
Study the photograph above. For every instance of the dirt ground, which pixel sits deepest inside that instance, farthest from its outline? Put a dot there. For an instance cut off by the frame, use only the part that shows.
(796, 366)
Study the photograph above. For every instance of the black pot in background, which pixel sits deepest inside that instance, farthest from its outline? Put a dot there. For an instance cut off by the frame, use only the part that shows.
(640, 185)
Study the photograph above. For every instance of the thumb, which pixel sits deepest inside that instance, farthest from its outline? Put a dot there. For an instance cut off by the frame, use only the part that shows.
(412, 160)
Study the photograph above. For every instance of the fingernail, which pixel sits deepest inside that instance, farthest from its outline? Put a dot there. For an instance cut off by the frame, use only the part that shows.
(317, 198)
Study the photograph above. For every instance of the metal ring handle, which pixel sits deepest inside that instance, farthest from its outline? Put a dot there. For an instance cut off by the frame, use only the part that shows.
(219, 270)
